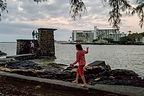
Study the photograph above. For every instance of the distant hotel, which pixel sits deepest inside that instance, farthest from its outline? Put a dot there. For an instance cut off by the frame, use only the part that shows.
(96, 34)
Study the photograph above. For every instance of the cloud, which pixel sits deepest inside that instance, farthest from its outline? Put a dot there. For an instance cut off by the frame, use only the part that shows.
(27, 15)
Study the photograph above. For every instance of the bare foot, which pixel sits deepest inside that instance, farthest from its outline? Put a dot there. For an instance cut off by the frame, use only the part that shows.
(75, 81)
(84, 85)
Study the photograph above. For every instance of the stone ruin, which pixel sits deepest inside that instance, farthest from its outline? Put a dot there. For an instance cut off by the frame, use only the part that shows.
(44, 45)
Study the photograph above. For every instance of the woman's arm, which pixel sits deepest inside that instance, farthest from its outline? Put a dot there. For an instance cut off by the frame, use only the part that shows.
(86, 50)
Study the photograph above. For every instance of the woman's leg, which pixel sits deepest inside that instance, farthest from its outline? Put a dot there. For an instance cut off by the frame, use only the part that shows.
(82, 75)
(77, 76)
(84, 81)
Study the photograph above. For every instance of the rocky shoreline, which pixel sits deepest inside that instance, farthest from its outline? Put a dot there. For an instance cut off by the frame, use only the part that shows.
(2, 53)
(96, 73)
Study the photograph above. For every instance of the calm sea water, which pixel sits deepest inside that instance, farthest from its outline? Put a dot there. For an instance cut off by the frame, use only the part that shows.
(117, 56)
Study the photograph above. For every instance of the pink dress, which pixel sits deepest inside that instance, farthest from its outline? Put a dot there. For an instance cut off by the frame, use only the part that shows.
(80, 58)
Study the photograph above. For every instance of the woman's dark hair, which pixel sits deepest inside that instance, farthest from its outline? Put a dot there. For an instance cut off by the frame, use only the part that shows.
(79, 47)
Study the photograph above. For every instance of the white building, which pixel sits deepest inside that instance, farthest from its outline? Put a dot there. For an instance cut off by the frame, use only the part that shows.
(96, 34)
(82, 35)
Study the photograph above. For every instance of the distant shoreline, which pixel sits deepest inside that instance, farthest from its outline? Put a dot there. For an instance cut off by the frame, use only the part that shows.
(85, 43)
(97, 44)
(8, 42)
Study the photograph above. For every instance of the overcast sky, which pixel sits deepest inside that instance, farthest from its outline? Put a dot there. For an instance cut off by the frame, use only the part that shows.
(25, 15)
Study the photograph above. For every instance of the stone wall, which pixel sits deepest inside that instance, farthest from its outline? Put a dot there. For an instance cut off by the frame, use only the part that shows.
(23, 46)
(51, 87)
(46, 41)
(44, 45)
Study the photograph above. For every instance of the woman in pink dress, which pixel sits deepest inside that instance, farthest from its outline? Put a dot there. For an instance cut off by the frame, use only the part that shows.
(80, 58)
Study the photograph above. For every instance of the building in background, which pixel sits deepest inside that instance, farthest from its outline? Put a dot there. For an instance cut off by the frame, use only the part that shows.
(97, 34)
(113, 33)
(82, 35)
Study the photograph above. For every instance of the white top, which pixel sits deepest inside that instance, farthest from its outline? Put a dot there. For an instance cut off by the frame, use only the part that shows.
(32, 45)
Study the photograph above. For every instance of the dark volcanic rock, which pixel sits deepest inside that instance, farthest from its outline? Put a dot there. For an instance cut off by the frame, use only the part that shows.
(2, 53)
(94, 70)
(66, 76)
(97, 63)
(5, 61)
(118, 77)
(95, 73)
(122, 72)
(101, 64)
(97, 67)
(100, 73)
(23, 65)
(91, 71)
(70, 68)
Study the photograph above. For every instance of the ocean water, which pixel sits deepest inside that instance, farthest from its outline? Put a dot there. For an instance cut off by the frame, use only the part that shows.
(117, 56)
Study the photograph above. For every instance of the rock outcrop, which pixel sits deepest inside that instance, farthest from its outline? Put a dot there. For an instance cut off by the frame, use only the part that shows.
(2, 53)
(95, 73)
(100, 73)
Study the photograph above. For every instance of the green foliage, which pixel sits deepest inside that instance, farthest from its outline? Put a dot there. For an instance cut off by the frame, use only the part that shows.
(134, 36)
(77, 8)
(123, 40)
(140, 12)
(117, 7)
(79, 41)
(131, 38)
(95, 40)
(142, 34)
(3, 6)
(80, 34)
(86, 36)
(40, 1)
(109, 40)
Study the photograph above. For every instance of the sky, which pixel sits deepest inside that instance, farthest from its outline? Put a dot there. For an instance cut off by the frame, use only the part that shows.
(24, 16)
